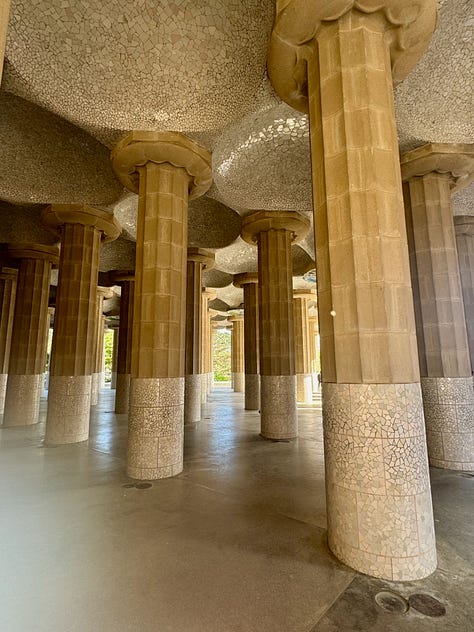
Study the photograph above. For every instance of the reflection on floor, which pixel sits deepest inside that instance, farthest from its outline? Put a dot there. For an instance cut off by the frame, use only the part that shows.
(236, 542)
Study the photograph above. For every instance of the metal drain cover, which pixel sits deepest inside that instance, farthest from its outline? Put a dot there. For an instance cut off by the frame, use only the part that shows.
(391, 602)
(427, 605)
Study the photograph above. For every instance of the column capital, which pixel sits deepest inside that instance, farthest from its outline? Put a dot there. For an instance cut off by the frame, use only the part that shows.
(245, 278)
(199, 255)
(140, 147)
(456, 160)
(263, 221)
(57, 215)
(7, 273)
(209, 294)
(117, 276)
(33, 251)
(105, 292)
(464, 225)
(309, 294)
(297, 22)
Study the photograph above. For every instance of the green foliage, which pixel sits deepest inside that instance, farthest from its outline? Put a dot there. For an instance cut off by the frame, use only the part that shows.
(109, 350)
(221, 355)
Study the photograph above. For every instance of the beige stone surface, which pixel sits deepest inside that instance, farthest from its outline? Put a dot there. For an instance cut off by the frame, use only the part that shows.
(304, 390)
(238, 354)
(8, 280)
(22, 399)
(124, 351)
(192, 398)
(69, 400)
(4, 15)
(278, 415)
(464, 229)
(249, 283)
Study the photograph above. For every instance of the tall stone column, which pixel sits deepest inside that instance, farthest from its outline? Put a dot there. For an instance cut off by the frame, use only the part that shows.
(126, 279)
(313, 351)
(206, 364)
(430, 172)
(249, 283)
(464, 228)
(198, 260)
(237, 353)
(338, 61)
(8, 279)
(98, 352)
(304, 378)
(113, 377)
(273, 232)
(166, 169)
(72, 362)
(28, 342)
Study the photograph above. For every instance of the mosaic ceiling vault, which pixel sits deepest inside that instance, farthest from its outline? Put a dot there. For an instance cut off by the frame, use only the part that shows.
(79, 74)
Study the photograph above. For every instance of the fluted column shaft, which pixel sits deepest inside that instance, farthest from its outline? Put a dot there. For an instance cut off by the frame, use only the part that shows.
(8, 281)
(113, 377)
(304, 389)
(237, 354)
(124, 353)
(378, 493)
(448, 396)
(192, 392)
(98, 348)
(313, 330)
(251, 355)
(28, 341)
(464, 227)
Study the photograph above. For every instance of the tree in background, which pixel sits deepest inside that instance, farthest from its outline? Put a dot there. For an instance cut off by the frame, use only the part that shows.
(109, 350)
(221, 355)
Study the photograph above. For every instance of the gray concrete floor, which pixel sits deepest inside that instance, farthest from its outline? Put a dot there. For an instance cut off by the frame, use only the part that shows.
(237, 542)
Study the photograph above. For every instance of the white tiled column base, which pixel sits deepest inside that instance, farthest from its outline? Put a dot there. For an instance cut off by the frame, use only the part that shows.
(95, 377)
(22, 399)
(113, 380)
(238, 382)
(192, 398)
(304, 388)
(122, 393)
(155, 427)
(380, 518)
(3, 390)
(278, 407)
(449, 417)
(69, 400)
(252, 391)
(204, 387)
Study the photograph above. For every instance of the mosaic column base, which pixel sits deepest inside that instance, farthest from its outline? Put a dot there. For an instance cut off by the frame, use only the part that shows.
(122, 393)
(252, 391)
(380, 518)
(449, 417)
(278, 415)
(155, 427)
(95, 389)
(304, 388)
(192, 398)
(3, 390)
(210, 382)
(204, 387)
(22, 400)
(101, 380)
(69, 403)
(238, 381)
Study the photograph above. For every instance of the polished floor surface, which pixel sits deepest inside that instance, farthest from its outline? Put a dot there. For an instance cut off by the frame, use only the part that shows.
(237, 542)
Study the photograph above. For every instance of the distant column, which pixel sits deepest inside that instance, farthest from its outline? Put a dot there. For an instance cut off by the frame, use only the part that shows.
(113, 377)
(237, 353)
(126, 280)
(304, 379)
(8, 279)
(464, 227)
(249, 282)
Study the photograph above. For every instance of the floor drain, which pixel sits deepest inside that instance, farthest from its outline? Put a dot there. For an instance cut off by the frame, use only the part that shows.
(427, 605)
(142, 485)
(391, 602)
(467, 475)
(128, 485)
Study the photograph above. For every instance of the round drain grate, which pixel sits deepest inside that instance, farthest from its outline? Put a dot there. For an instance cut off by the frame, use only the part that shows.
(427, 605)
(391, 602)
(142, 485)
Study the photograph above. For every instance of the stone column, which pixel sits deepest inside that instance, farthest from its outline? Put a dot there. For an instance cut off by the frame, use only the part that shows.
(126, 279)
(113, 377)
(4, 14)
(72, 355)
(338, 61)
(28, 343)
(237, 353)
(206, 363)
(313, 352)
(304, 378)
(249, 283)
(464, 228)
(273, 232)
(8, 279)
(98, 352)
(430, 172)
(198, 260)
(166, 169)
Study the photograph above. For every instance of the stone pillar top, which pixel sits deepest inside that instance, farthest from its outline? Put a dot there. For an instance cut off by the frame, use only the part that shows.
(33, 251)
(209, 294)
(140, 147)
(263, 221)
(199, 255)
(235, 318)
(453, 159)
(57, 215)
(410, 24)
(106, 292)
(311, 294)
(8, 273)
(116, 276)
(245, 278)
(464, 224)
